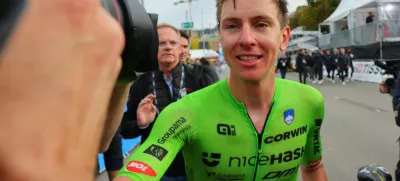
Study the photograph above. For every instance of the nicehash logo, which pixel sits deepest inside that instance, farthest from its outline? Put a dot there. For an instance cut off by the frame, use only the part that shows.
(211, 159)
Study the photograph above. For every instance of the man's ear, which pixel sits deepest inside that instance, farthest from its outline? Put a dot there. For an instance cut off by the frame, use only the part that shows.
(285, 38)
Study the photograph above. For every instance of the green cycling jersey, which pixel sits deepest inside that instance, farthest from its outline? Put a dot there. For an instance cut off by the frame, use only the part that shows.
(220, 142)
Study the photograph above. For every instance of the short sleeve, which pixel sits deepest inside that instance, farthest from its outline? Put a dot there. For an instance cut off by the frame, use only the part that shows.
(313, 153)
(171, 131)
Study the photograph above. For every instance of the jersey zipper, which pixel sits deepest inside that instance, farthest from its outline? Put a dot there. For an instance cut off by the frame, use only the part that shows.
(259, 138)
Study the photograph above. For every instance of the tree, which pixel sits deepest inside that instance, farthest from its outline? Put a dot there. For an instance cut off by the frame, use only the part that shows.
(314, 13)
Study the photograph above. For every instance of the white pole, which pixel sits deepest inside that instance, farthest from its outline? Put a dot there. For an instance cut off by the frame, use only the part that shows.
(202, 27)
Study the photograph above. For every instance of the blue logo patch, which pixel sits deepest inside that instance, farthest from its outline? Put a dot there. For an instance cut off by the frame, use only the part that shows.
(288, 116)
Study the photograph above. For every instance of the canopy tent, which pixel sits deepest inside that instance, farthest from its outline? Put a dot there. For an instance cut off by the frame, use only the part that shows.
(354, 12)
(203, 53)
(344, 8)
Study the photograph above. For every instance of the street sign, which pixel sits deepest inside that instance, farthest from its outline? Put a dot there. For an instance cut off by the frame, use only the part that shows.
(187, 25)
(212, 36)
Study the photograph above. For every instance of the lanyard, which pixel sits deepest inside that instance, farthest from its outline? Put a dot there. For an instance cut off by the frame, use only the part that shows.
(179, 96)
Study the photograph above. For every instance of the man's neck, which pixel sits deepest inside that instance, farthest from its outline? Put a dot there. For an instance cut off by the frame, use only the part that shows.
(254, 95)
(167, 70)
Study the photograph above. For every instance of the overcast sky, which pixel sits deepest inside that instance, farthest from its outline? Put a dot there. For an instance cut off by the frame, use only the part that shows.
(175, 15)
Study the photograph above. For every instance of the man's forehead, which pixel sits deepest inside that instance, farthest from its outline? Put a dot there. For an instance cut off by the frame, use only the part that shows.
(167, 33)
(256, 8)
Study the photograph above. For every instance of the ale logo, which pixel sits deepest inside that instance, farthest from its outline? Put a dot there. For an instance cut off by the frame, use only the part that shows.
(140, 167)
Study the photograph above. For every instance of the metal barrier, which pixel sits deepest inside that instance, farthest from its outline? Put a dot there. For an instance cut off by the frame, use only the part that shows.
(363, 35)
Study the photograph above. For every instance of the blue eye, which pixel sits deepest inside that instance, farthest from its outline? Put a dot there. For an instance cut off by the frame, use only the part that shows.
(231, 26)
(262, 25)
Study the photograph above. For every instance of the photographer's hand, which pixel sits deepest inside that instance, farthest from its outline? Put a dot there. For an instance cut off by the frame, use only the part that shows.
(57, 73)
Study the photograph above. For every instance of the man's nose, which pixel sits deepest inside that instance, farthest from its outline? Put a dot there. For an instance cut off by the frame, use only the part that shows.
(247, 38)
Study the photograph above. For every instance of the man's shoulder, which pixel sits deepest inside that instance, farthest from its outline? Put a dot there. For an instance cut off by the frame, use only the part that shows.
(194, 101)
(204, 92)
(298, 89)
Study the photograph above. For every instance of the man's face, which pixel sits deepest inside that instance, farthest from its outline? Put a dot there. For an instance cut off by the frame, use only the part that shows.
(251, 37)
(169, 47)
(342, 51)
(185, 48)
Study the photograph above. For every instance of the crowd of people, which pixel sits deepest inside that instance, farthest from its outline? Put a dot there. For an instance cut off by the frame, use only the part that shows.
(337, 65)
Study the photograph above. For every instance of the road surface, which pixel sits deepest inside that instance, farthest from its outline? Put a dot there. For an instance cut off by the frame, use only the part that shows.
(358, 129)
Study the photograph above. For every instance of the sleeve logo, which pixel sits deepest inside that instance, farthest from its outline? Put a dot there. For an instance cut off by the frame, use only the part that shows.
(140, 167)
(288, 116)
(156, 151)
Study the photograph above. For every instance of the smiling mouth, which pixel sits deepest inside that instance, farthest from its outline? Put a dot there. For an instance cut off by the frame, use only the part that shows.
(248, 58)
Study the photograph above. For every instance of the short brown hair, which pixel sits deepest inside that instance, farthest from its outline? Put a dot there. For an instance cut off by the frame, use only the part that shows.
(281, 4)
(184, 35)
(164, 25)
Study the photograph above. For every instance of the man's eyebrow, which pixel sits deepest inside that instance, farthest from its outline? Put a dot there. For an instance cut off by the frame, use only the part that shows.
(262, 17)
(231, 19)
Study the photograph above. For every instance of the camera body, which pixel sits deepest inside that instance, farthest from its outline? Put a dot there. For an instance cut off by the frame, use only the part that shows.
(392, 68)
(140, 29)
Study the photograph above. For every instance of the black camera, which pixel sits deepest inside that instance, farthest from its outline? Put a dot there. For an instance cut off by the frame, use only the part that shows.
(391, 67)
(140, 28)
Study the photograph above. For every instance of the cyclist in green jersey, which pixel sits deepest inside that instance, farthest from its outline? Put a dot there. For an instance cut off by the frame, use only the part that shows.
(251, 126)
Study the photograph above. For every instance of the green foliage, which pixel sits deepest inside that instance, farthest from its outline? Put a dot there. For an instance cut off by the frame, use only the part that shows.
(314, 13)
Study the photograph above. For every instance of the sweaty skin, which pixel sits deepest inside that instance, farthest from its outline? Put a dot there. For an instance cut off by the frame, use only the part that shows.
(219, 140)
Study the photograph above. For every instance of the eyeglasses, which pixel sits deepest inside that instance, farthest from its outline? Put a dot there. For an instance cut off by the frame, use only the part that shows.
(173, 44)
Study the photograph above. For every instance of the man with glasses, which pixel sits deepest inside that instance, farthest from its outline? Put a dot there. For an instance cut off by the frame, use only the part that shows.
(172, 82)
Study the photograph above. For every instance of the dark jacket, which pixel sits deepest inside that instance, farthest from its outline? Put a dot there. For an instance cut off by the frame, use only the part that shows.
(335, 59)
(343, 61)
(310, 61)
(300, 63)
(195, 78)
(283, 63)
(319, 60)
(351, 58)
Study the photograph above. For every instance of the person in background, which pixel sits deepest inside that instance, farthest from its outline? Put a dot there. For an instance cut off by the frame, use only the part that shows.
(329, 64)
(301, 66)
(310, 66)
(184, 56)
(351, 66)
(172, 82)
(283, 64)
(320, 60)
(335, 58)
(370, 18)
(113, 157)
(342, 65)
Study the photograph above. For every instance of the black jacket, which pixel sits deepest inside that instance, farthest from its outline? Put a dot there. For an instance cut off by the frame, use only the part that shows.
(319, 60)
(283, 63)
(300, 63)
(343, 61)
(195, 78)
(310, 61)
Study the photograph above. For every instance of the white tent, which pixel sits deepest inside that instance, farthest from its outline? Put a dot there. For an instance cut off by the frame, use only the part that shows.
(354, 12)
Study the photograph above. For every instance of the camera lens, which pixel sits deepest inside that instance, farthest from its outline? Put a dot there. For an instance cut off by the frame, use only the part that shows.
(114, 8)
(141, 39)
